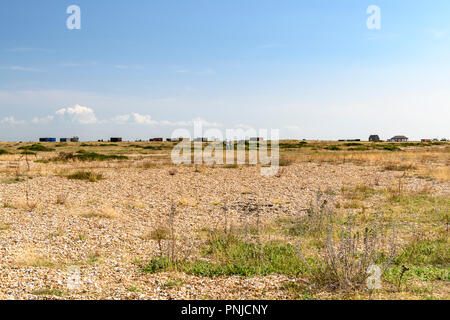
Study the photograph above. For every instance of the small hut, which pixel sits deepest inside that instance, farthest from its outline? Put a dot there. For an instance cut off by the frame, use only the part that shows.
(374, 138)
(398, 139)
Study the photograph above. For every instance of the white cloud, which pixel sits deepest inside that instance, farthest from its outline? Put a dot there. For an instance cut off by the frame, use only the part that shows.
(167, 123)
(43, 120)
(143, 119)
(243, 126)
(21, 68)
(86, 116)
(205, 123)
(80, 114)
(27, 49)
(120, 119)
(10, 121)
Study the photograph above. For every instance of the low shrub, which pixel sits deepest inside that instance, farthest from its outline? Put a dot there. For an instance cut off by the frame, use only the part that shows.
(299, 145)
(285, 162)
(85, 156)
(85, 175)
(399, 167)
(388, 147)
(36, 147)
(231, 166)
(4, 152)
(27, 152)
(352, 144)
(146, 147)
(228, 255)
(350, 255)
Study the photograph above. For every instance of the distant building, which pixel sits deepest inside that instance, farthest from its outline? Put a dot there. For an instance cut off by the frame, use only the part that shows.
(156, 139)
(425, 140)
(115, 140)
(74, 139)
(374, 138)
(177, 139)
(47, 139)
(63, 139)
(398, 139)
(444, 139)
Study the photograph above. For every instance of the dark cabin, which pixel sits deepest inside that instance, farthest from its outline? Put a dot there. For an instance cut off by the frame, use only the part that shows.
(374, 138)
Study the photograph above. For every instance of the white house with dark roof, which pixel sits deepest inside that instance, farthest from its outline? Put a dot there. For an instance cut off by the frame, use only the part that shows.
(398, 139)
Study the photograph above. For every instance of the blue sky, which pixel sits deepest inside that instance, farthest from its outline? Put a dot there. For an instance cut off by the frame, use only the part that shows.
(144, 68)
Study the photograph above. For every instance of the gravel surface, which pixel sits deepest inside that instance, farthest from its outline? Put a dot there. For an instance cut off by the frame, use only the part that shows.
(99, 235)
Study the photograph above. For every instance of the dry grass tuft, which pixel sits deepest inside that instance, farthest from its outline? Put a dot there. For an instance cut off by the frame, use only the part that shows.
(159, 234)
(148, 164)
(102, 212)
(4, 226)
(21, 204)
(85, 175)
(285, 161)
(61, 199)
(441, 174)
(28, 257)
(188, 202)
(399, 167)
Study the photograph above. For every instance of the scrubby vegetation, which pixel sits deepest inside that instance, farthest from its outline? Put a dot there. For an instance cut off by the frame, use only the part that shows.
(36, 147)
(85, 175)
(228, 255)
(334, 252)
(83, 155)
(372, 210)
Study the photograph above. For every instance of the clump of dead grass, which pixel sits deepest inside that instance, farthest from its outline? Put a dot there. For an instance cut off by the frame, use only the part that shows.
(188, 202)
(358, 192)
(21, 204)
(85, 175)
(351, 254)
(399, 167)
(61, 199)
(286, 161)
(4, 226)
(441, 174)
(102, 212)
(29, 257)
